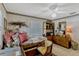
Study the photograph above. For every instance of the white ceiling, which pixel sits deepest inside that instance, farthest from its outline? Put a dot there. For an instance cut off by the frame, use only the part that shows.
(43, 10)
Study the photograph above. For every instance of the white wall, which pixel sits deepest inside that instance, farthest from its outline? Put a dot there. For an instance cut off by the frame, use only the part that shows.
(35, 25)
(2, 16)
(3, 11)
(1, 31)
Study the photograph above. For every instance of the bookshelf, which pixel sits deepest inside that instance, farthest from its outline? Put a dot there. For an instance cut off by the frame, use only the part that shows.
(48, 26)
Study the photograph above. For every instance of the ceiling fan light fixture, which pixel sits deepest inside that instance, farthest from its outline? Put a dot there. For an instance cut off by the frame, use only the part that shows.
(54, 15)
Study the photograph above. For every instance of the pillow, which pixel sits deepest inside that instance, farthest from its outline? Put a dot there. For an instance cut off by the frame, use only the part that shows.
(8, 38)
(23, 37)
(16, 39)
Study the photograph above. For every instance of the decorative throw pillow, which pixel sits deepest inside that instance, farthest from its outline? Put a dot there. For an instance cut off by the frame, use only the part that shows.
(23, 37)
(16, 39)
(8, 38)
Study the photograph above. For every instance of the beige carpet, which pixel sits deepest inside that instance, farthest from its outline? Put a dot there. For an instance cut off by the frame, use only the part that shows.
(61, 51)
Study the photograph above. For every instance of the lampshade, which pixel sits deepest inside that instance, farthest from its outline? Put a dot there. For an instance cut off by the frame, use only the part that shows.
(69, 29)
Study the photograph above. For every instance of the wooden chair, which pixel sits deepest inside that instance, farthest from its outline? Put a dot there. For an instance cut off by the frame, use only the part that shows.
(47, 50)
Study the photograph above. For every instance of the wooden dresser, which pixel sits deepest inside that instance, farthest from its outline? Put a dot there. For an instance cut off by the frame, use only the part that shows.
(63, 41)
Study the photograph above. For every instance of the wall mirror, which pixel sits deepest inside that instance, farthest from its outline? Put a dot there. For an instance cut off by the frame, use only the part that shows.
(62, 26)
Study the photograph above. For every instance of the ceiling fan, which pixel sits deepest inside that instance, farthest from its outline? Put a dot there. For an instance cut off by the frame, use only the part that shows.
(56, 9)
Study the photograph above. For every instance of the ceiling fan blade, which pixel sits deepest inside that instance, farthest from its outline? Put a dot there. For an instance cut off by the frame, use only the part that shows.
(61, 12)
(52, 7)
(57, 8)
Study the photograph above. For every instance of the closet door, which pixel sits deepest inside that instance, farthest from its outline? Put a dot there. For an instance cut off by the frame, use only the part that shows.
(1, 30)
(36, 28)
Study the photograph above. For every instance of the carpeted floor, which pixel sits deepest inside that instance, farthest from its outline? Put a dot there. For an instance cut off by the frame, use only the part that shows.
(61, 51)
